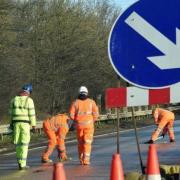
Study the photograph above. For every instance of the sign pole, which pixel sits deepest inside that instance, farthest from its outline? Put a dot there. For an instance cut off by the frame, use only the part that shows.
(118, 124)
(118, 119)
(137, 141)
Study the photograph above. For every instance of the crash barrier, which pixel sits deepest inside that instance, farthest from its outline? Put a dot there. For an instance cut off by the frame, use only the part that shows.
(140, 112)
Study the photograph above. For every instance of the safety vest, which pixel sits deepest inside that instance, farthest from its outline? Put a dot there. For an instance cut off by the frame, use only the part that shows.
(160, 113)
(84, 111)
(22, 110)
(56, 122)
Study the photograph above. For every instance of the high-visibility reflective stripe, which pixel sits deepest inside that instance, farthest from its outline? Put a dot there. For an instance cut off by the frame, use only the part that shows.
(80, 112)
(159, 129)
(86, 157)
(85, 123)
(22, 144)
(71, 114)
(20, 107)
(49, 149)
(54, 121)
(21, 159)
(61, 146)
(154, 177)
(87, 141)
(61, 151)
(31, 115)
(84, 113)
(87, 154)
(62, 137)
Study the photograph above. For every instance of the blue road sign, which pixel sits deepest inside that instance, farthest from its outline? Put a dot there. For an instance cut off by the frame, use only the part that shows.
(144, 44)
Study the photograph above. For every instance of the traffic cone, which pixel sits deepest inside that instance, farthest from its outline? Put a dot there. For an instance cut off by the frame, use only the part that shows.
(152, 171)
(116, 168)
(59, 173)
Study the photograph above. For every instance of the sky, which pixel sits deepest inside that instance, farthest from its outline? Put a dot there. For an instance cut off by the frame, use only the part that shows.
(124, 3)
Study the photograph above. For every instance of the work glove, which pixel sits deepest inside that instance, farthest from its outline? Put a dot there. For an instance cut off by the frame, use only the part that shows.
(11, 127)
(162, 135)
(34, 130)
(149, 142)
(172, 140)
(71, 125)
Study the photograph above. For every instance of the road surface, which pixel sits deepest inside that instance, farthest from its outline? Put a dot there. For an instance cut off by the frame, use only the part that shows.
(103, 148)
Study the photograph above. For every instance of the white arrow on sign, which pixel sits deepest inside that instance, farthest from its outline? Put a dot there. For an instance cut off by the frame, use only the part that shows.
(171, 59)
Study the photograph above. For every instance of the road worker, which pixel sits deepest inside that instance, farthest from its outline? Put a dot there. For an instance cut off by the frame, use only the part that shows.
(164, 120)
(22, 114)
(56, 129)
(84, 112)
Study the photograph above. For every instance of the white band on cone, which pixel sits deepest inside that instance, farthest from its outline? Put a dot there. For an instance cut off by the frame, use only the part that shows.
(153, 177)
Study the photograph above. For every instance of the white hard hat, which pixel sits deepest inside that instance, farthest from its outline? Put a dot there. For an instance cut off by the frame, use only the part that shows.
(83, 90)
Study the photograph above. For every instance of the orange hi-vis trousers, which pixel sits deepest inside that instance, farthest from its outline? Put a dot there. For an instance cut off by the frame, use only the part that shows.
(85, 139)
(84, 113)
(165, 124)
(56, 129)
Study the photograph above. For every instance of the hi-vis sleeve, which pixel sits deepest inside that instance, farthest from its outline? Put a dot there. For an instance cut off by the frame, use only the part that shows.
(95, 111)
(31, 112)
(72, 111)
(156, 115)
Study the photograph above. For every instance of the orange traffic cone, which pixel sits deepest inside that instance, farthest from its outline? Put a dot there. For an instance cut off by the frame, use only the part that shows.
(152, 171)
(116, 168)
(59, 173)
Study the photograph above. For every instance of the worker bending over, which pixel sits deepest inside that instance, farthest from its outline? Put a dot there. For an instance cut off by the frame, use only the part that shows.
(164, 120)
(84, 112)
(56, 129)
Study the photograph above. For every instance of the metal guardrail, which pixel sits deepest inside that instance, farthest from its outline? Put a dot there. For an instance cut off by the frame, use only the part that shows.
(126, 113)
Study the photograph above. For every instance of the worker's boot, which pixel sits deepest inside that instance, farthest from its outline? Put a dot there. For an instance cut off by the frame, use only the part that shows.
(46, 155)
(24, 167)
(172, 140)
(81, 158)
(46, 160)
(86, 162)
(63, 157)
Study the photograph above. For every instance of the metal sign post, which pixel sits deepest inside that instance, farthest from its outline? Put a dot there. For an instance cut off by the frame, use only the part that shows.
(118, 119)
(137, 141)
(118, 134)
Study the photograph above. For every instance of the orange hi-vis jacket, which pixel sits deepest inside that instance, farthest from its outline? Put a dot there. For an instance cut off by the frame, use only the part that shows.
(161, 114)
(84, 112)
(56, 122)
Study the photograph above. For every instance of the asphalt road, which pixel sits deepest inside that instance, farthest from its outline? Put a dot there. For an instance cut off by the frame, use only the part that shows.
(103, 149)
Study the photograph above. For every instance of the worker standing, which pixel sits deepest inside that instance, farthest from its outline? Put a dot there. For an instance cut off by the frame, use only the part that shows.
(22, 112)
(84, 112)
(56, 129)
(164, 120)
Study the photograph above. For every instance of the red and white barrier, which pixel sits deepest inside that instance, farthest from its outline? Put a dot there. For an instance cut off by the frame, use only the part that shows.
(134, 96)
